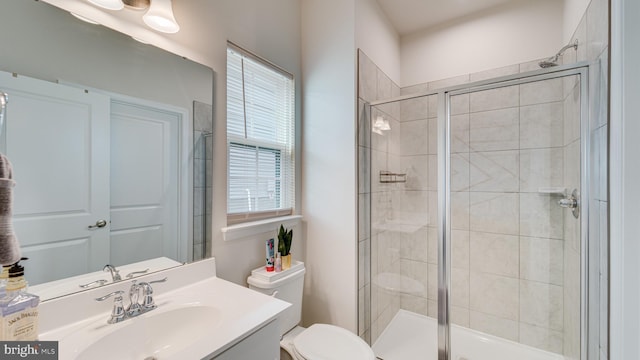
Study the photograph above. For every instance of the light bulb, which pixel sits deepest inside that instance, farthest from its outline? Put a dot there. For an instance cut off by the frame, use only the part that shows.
(160, 17)
(87, 20)
(379, 123)
(108, 4)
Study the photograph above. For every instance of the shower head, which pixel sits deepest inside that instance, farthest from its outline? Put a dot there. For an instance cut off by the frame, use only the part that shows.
(553, 61)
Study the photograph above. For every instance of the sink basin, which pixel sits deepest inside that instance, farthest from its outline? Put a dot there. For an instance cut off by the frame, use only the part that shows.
(158, 335)
(199, 316)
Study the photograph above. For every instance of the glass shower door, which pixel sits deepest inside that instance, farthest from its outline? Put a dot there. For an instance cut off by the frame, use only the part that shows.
(513, 245)
(403, 202)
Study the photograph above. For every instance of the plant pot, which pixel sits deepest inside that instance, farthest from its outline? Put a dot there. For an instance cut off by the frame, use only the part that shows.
(286, 262)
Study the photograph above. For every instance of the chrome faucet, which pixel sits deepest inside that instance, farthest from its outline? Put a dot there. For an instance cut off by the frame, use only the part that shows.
(135, 308)
(117, 313)
(147, 291)
(115, 274)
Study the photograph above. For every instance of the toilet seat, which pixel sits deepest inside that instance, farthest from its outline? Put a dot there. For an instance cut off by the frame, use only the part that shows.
(329, 342)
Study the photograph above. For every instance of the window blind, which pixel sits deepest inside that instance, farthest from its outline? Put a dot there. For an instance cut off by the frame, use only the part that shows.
(260, 137)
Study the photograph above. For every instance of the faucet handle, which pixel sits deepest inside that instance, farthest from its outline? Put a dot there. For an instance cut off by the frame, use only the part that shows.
(94, 283)
(147, 291)
(117, 313)
(132, 274)
(156, 281)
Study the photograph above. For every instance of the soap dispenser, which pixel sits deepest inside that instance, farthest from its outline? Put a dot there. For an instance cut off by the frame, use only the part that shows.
(4, 278)
(18, 308)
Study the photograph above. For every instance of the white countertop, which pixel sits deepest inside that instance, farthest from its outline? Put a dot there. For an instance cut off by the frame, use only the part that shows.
(77, 321)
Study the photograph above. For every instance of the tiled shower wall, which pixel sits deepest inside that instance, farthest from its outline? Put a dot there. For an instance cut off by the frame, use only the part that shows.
(593, 33)
(507, 272)
(378, 248)
(202, 179)
(501, 285)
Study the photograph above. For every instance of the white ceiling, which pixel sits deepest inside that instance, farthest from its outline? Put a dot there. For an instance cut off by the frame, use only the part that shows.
(408, 16)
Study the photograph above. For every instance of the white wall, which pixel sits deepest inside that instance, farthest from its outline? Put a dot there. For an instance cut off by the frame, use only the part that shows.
(377, 37)
(270, 29)
(514, 33)
(329, 168)
(624, 175)
(572, 14)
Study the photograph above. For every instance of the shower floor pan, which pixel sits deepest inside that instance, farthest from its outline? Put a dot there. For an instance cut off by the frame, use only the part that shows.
(411, 336)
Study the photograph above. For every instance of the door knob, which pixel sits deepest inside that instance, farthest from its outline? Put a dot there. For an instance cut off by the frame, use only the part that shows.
(99, 224)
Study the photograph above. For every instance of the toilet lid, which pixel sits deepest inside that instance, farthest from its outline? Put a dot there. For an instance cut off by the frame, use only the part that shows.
(328, 342)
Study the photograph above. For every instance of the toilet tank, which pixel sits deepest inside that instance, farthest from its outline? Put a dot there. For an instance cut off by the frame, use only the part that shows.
(286, 285)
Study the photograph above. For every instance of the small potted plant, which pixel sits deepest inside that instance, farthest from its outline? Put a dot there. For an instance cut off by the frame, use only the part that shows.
(284, 246)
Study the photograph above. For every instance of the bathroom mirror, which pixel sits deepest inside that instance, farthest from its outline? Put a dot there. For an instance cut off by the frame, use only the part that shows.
(147, 114)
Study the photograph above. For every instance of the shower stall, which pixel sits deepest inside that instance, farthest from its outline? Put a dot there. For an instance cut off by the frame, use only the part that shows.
(474, 217)
(202, 179)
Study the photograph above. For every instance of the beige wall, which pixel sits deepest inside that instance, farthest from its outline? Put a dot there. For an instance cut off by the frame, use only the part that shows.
(329, 166)
(572, 15)
(377, 37)
(624, 177)
(514, 33)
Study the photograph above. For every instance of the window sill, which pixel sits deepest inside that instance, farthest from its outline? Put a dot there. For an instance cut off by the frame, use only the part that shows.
(243, 230)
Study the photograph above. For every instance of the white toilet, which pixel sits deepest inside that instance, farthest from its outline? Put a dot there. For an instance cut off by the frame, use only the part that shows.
(319, 341)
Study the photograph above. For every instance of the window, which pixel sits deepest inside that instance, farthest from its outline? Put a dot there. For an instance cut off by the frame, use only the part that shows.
(260, 138)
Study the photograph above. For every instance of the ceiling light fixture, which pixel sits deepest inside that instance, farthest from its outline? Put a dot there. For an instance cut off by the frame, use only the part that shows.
(380, 124)
(87, 20)
(140, 40)
(108, 4)
(136, 4)
(160, 17)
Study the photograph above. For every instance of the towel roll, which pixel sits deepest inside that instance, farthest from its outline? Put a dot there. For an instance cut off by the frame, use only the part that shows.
(9, 246)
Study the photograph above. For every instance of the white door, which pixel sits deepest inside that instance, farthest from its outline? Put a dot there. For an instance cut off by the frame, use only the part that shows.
(64, 189)
(145, 184)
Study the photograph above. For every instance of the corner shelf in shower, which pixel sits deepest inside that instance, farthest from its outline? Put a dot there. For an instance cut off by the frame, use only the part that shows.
(388, 177)
(396, 283)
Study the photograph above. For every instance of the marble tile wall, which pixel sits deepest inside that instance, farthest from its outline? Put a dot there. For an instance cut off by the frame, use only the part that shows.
(202, 179)
(592, 34)
(378, 203)
(507, 270)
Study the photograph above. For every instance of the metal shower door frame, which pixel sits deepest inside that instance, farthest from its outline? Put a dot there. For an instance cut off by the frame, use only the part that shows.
(580, 69)
(444, 194)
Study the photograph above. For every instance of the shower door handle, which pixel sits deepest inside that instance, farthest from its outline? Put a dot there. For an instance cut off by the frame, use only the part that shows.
(571, 202)
(568, 203)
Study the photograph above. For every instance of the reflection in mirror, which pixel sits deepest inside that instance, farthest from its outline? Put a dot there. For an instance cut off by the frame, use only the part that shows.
(109, 143)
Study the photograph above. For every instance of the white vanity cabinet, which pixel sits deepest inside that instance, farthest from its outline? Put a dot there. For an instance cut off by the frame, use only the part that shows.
(264, 344)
